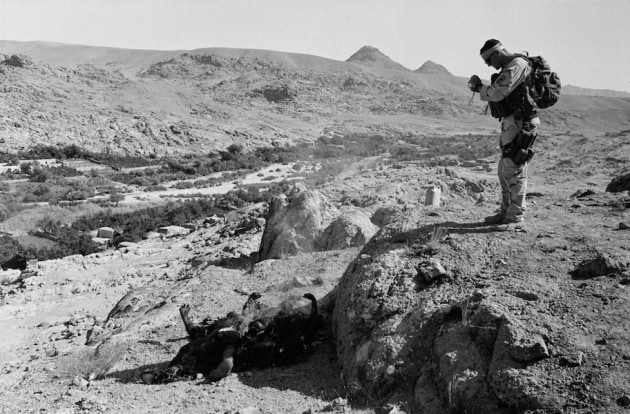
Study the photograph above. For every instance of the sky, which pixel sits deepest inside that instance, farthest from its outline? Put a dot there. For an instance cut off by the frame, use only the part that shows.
(586, 41)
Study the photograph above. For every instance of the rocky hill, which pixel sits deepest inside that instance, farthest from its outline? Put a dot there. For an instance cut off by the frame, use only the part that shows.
(371, 56)
(432, 68)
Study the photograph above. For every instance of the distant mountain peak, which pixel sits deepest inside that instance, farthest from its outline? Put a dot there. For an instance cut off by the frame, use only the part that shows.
(371, 56)
(431, 67)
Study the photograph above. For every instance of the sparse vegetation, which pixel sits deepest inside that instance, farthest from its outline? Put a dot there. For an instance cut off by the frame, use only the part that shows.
(234, 162)
(432, 246)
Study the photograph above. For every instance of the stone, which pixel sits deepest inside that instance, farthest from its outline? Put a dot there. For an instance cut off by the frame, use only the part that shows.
(432, 270)
(9, 276)
(619, 184)
(295, 222)
(385, 215)
(604, 263)
(624, 401)
(351, 229)
(574, 359)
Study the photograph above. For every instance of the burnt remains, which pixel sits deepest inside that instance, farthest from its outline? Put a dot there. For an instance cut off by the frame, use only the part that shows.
(259, 337)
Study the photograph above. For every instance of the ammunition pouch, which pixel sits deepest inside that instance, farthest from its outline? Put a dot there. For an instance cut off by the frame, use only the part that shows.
(520, 149)
(523, 156)
(499, 109)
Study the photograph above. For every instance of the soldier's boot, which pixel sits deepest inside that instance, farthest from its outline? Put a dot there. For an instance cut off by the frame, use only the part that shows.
(496, 219)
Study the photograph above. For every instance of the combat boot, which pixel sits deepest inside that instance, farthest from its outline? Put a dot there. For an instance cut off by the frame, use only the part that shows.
(496, 219)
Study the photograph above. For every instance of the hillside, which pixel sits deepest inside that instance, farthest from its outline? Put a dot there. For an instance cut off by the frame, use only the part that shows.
(145, 102)
(576, 90)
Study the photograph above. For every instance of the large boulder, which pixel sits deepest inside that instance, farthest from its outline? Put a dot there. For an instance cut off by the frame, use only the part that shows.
(619, 184)
(406, 329)
(350, 229)
(385, 215)
(9, 276)
(276, 93)
(294, 223)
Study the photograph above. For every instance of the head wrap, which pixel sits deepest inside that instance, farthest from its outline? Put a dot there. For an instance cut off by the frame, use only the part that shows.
(489, 48)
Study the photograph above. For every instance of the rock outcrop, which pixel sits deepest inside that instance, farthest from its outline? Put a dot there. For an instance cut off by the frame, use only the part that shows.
(306, 221)
(385, 215)
(351, 229)
(619, 184)
(294, 223)
(276, 93)
(406, 329)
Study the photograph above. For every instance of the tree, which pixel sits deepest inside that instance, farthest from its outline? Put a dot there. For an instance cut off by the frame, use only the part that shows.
(41, 190)
(25, 167)
(75, 242)
(50, 225)
(39, 175)
(235, 149)
(115, 197)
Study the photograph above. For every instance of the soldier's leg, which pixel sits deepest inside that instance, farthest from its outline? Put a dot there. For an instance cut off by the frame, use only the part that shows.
(510, 128)
(516, 179)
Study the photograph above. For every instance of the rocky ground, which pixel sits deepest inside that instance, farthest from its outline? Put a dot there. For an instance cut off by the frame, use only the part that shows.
(564, 280)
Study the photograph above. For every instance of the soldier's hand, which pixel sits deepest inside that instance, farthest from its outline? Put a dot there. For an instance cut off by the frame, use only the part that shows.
(474, 83)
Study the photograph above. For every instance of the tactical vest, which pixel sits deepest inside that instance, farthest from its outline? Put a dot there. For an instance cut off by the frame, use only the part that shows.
(517, 103)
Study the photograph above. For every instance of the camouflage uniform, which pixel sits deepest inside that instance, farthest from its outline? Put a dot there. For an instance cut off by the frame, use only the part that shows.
(513, 178)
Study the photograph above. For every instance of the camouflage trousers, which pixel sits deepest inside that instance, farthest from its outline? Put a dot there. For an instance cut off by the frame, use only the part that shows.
(512, 177)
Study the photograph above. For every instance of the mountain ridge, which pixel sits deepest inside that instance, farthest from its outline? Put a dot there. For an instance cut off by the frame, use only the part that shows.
(371, 56)
(431, 67)
(128, 60)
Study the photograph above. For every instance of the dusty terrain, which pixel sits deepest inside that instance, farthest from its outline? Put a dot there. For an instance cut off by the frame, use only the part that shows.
(45, 320)
(568, 272)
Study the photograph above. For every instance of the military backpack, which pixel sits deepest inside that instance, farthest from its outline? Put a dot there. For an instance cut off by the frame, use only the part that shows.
(543, 85)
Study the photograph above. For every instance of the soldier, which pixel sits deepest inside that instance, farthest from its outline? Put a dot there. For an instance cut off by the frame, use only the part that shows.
(508, 100)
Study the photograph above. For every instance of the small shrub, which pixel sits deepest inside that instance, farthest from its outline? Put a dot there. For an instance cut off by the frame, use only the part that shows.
(433, 245)
(183, 185)
(155, 188)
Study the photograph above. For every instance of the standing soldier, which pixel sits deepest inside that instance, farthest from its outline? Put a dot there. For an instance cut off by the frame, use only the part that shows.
(507, 97)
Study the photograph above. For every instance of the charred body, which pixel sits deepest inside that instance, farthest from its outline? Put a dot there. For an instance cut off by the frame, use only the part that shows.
(259, 337)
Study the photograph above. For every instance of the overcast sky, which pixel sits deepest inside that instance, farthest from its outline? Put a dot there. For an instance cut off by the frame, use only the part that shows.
(586, 41)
